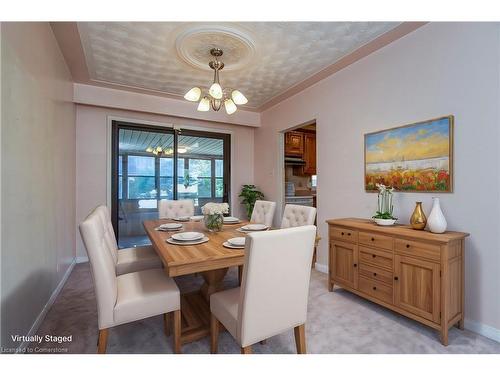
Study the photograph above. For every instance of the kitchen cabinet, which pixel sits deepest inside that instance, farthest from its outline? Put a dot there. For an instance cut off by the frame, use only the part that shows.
(310, 153)
(294, 144)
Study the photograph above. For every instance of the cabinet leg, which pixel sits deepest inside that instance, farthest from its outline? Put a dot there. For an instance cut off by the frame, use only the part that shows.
(444, 336)
(330, 286)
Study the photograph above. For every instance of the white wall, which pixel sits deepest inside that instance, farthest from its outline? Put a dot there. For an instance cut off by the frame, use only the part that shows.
(437, 70)
(92, 165)
(38, 174)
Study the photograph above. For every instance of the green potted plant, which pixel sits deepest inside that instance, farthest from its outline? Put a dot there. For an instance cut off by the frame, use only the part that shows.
(250, 195)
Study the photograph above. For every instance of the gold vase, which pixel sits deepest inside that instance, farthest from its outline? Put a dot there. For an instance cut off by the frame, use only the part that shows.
(418, 218)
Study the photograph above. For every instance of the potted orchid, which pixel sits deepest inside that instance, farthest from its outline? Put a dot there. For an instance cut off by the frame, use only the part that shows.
(213, 215)
(385, 208)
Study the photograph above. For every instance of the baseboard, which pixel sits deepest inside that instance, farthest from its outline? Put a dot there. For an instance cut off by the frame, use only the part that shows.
(483, 329)
(83, 259)
(48, 305)
(321, 267)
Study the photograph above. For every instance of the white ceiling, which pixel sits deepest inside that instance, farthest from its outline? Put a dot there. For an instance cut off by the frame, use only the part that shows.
(263, 59)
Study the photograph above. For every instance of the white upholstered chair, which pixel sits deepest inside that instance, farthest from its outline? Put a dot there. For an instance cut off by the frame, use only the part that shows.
(296, 216)
(129, 297)
(274, 291)
(263, 213)
(129, 259)
(168, 209)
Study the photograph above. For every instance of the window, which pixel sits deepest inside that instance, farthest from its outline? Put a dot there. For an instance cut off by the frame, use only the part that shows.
(166, 178)
(219, 178)
(141, 177)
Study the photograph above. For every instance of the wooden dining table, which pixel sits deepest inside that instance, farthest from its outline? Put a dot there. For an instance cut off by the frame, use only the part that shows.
(210, 259)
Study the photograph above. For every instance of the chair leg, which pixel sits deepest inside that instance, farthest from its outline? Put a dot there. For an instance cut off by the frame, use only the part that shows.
(167, 322)
(240, 274)
(300, 338)
(246, 350)
(102, 341)
(214, 334)
(177, 331)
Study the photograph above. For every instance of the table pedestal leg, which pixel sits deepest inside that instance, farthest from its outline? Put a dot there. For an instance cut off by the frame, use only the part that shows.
(213, 282)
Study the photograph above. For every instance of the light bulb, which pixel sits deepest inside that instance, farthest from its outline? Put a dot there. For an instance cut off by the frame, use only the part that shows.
(238, 97)
(193, 95)
(149, 149)
(230, 106)
(204, 105)
(181, 150)
(215, 91)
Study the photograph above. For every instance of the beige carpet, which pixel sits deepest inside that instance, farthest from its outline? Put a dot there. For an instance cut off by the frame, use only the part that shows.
(338, 322)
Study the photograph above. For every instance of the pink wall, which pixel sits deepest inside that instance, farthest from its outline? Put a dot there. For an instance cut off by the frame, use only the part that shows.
(437, 70)
(91, 155)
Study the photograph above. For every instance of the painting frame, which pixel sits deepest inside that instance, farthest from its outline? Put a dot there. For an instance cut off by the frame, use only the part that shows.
(451, 126)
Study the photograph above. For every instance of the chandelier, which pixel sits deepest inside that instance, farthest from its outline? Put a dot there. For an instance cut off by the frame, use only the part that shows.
(216, 95)
(159, 151)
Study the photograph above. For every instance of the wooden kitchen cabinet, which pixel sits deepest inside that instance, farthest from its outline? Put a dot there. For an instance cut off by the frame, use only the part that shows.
(415, 273)
(294, 144)
(310, 153)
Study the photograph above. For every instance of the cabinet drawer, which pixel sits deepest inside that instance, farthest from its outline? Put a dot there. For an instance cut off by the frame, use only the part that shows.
(377, 240)
(376, 289)
(375, 257)
(420, 249)
(343, 234)
(376, 273)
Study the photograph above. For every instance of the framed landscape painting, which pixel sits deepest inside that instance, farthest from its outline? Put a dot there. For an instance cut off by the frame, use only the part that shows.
(414, 158)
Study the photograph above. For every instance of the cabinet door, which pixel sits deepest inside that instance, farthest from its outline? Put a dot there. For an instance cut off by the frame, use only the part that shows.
(344, 263)
(310, 153)
(294, 144)
(417, 287)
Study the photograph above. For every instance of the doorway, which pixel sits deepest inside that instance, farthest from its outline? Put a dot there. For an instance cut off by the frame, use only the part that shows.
(143, 172)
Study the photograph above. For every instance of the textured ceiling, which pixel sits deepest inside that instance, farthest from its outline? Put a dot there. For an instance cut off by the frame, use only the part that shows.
(263, 59)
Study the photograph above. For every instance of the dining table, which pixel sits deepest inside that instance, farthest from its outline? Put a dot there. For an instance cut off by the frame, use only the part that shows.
(211, 260)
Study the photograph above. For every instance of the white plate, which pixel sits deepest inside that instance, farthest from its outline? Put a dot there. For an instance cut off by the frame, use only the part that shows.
(231, 219)
(182, 218)
(170, 226)
(228, 245)
(250, 231)
(168, 230)
(188, 236)
(254, 227)
(186, 243)
(237, 241)
(197, 218)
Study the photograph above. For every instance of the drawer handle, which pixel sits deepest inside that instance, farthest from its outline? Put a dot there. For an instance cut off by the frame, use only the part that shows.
(342, 233)
(373, 239)
(374, 274)
(355, 265)
(374, 256)
(348, 234)
(407, 245)
(396, 278)
(374, 288)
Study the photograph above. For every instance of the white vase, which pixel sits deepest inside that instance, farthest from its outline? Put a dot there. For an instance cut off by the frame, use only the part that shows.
(436, 221)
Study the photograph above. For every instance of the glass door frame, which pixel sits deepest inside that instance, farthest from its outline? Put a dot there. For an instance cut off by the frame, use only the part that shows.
(117, 125)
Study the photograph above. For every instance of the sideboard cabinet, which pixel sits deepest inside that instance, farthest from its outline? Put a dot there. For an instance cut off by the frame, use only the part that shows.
(415, 273)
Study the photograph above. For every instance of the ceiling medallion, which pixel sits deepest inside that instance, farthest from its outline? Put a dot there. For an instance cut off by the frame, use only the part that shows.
(191, 45)
(216, 95)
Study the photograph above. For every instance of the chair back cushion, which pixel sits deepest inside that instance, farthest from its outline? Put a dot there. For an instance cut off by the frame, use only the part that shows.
(296, 216)
(102, 267)
(275, 282)
(109, 232)
(263, 213)
(168, 209)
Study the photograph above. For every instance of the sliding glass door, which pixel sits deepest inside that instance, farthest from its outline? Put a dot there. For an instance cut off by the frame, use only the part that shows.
(143, 160)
